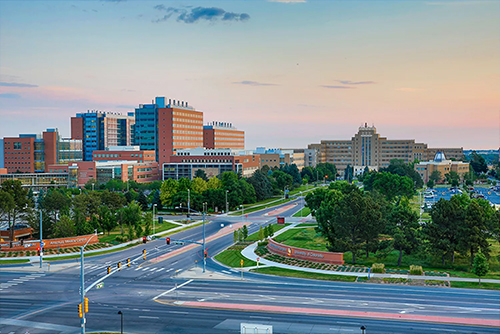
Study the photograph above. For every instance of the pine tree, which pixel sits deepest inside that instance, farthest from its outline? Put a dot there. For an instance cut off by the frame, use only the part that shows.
(261, 234)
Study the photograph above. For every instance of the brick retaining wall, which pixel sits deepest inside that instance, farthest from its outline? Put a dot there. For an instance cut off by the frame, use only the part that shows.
(305, 254)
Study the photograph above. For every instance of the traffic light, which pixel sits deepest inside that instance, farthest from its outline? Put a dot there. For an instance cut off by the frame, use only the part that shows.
(86, 305)
(119, 265)
(109, 270)
(38, 251)
(144, 252)
(80, 310)
(206, 255)
(168, 241)
(143, 240)
(128, 262)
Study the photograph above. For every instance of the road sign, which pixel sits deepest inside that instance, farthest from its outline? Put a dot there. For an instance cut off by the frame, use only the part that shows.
(42, 244)
(100, 285)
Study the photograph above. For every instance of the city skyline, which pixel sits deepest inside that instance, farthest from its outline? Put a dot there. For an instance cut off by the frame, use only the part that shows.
(288, 73)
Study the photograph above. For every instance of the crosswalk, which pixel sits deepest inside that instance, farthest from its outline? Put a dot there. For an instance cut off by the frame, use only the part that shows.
(20, 280)
(151, 269)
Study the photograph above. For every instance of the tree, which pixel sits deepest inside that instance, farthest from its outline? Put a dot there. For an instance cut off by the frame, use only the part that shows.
(201, 174)
(184, 184)
(348, 221)
(245, 232)
(480, 266)
(283, 180)
(261, 233)
(169, 188)
(91, 184)
(403, 227)
(21, 204)
(430, 184)
(143, 201)
(349, 173)
(393, 185)
(399, 167)
(435, 176)
(441, 230)
(478, 163)
(199, 185)
(473, 235)
(452, 178)
(147, 219)
(214, 183)
(235, 236)
(262, 185)
(107, 219)
(64, 228)
(157, 200)
(271, 230)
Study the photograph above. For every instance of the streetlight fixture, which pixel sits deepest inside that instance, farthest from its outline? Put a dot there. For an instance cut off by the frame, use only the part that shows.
(242, 212)
(189, 200)
(227, 208)
(154, 205)
(82, 283)
(121, 314)
(363, 329)
(203, 213)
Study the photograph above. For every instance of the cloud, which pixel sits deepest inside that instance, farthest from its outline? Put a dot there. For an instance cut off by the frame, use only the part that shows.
(456, 3)
(338, 87)
(10, 96)
(253, 83)
(406, 89)
(15, 84)
(199, 13)
(349, 82)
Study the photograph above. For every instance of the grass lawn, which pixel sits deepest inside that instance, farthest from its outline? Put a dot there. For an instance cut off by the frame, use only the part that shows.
(255, 236)
(307, 225)
(303, 274)
(475, 285)
(13, 261)
(111, 238)
(260, 206)
(304, 188)
(232, 258)
(303, 238)
(303, 213)
(51, 259)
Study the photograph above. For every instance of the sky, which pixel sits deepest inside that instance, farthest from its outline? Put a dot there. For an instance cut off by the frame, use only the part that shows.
(288, 73)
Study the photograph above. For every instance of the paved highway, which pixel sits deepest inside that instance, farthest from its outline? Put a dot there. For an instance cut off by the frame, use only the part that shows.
(46, 302)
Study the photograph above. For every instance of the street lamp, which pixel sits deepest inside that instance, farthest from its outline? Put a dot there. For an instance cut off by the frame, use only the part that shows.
(363, 329)
(121, 314)
(227, 209)
(301, 199)
(154, 205)
(242, 212)
(82, 283)
(203, 213)
(92, 187)
(189, 197)
(41, 241)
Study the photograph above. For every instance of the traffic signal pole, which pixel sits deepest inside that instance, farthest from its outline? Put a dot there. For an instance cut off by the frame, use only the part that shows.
(41, 242)
(82, 290)
(204, 249)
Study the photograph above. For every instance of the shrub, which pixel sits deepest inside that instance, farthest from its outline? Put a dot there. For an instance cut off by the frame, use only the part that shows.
(378, 268)
(416, 270)
(263, 243)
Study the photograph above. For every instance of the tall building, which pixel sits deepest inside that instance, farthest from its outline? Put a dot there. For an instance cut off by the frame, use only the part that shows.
(368, 149)
(98, 130)
(223, 135)
(31, 153)
(168, 127)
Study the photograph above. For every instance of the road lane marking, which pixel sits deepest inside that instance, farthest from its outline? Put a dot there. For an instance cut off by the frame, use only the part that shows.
(161, 269)
(148, 317)
(173, 289)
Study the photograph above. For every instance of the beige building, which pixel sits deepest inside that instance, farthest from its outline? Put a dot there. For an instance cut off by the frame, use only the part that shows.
(368, 149)
(444, 166)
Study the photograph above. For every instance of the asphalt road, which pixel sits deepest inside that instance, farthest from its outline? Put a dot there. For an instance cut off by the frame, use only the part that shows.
(47, 302)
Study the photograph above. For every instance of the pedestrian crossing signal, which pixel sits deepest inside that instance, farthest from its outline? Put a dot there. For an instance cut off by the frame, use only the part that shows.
(206, 255)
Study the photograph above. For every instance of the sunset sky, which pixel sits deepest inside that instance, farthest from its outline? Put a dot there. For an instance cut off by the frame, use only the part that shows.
(288, 73)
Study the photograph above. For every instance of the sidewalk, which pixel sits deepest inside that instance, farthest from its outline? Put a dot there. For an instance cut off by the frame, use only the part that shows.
(56, 256)
(249, 253)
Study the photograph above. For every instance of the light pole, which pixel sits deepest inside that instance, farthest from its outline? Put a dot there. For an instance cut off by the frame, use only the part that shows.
(154, 205)
(227, 209)
(82, 284)
(41, 241)
(301, 204)
(242, 211)
(204, 249)
(92, 187)
(121, 313)
(189, 200)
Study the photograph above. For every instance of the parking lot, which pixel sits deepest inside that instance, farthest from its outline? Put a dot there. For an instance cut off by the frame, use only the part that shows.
(490, 195)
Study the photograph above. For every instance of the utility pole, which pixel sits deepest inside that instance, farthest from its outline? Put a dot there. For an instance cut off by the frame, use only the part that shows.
(227, 209)
(41, 241)
(154, 205)
(189, 200)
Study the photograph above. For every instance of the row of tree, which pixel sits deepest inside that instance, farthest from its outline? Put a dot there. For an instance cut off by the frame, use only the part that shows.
(360, 221)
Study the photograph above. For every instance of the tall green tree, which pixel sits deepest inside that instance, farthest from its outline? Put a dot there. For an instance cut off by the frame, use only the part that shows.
(399, 167)
(478, 163)
(199, 185)
(393, 185)
(55, 201)
(143, 201)
(21, 204)
(473, 233)
(403, 227)
(480, 267)
(184, 184)
(261, 184)
(64, 228)
(436, 176)
(201, 174)
(214, 183)
(169, 188)
(157, 200)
